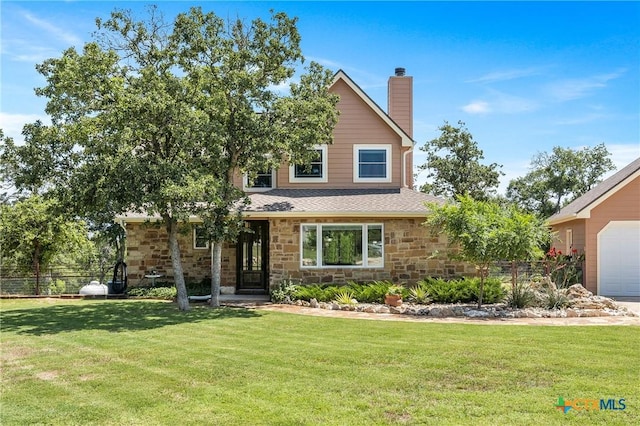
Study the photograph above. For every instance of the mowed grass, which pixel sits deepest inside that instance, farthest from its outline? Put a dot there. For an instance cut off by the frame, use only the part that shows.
(67, 362)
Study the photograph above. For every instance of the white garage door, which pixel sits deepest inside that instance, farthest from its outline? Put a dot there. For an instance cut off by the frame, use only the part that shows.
(619, 259)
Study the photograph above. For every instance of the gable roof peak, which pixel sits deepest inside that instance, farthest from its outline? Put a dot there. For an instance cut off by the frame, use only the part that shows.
(580, 208)
(340, 75)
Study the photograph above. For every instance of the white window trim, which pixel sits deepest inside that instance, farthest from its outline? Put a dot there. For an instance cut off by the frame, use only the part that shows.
(356, 168)
(195, 246)
(247, 188)
(325, 170)
(365, 254)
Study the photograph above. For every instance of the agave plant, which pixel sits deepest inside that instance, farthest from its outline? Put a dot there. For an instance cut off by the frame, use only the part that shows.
(344, 297)
(419, 294)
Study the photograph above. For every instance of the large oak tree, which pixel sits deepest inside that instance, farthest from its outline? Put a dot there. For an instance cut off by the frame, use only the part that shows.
(559, 177)
(453, 165)
(156, 117)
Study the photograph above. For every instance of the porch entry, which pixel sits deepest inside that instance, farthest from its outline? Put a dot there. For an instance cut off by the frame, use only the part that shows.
(253, 258)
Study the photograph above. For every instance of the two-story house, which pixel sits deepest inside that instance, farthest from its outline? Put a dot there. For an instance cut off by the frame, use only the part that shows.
(350, 215)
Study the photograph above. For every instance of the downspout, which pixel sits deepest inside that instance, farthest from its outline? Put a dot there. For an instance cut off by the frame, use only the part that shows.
(404, 166)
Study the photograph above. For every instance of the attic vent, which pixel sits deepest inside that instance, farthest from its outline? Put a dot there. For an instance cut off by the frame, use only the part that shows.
(400, 72)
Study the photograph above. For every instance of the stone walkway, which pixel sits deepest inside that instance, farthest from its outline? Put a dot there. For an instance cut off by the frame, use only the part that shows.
(301, 310)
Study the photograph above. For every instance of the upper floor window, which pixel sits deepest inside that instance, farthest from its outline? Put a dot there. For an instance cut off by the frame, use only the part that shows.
(263, 181)
(200, 239)
(314, 171)
(372, 163)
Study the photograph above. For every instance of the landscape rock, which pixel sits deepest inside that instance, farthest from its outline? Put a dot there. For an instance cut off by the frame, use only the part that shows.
(576, 291)
(477, 314)
(383, 309)
(397, 309)
(582, 303)
(593, 302)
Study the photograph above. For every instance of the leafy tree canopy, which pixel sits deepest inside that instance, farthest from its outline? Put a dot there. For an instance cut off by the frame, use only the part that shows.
(453, 165)
(486, 231)
(156, 117)
(559, 177)
(34, 230)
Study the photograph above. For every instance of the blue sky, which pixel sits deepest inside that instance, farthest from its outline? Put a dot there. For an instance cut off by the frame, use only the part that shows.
(524, 77)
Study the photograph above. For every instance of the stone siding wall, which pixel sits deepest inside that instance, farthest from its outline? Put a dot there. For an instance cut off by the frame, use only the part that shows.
(409, 256)
(148, 249)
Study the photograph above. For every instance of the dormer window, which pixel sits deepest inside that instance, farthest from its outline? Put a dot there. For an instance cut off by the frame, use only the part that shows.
(372, 163)
(264, 181)
(315, 171)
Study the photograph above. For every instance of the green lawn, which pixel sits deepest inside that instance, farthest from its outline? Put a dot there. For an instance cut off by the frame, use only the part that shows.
(144, 363)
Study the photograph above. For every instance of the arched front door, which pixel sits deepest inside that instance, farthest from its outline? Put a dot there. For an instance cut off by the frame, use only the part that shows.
(253, 258)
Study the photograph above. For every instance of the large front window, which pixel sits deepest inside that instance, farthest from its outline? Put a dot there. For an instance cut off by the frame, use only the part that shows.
(342, 245)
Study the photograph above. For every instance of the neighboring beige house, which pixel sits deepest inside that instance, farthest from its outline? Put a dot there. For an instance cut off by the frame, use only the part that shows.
(605, 224)
(351, 215)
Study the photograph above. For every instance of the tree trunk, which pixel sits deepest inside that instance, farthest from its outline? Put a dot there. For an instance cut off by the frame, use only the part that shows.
(484, 269)
(216, 268)
(36, 266)
(178, 275)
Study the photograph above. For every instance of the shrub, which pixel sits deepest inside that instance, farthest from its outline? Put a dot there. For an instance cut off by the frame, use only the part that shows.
(57, 286)
(286, 289)
(442, 291)
(199, 288)
(373, 292)
(395, 290)
(308, 292)
(493, 290)
(521, 296)
(556, 300)
(464, 290)
(166, 293)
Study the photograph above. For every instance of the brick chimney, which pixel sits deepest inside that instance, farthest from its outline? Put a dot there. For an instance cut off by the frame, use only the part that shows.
(400, 98)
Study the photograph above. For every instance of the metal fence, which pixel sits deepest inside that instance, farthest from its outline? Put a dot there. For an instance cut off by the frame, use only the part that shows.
(64, 280)
(54, 280)
(563, 272)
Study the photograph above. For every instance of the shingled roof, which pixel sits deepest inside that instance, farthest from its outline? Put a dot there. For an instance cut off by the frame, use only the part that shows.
(339, 202)
(581, 206)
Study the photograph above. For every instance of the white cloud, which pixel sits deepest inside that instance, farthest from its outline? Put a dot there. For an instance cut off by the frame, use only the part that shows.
(325, 62)
(11, 124)
(570, 89)
(477, 107)
(504, 75)
(24, 51)
(502, 103)
(623, 154)
(587, 118)
(510, 104)
(52, 29)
